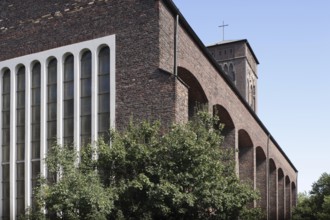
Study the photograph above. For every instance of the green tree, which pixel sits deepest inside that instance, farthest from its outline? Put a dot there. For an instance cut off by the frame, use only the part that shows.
(316, 205)
(151, 173)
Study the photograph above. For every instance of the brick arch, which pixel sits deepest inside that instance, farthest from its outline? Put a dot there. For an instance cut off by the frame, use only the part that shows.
(281, 193)
(196, 95)
(272, 190)
(245, 156)
(229, 128)
(261, 178)
(287, 197)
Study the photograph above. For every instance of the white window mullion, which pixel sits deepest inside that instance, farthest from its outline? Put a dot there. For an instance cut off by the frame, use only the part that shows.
(59, 100)
(1, 194)
(94, 120)
(27, 173)
(112, 84)
(43, 117)
(76, 101)
(12, 143)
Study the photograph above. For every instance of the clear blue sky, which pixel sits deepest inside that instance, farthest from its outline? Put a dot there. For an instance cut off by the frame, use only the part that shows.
(291, 40)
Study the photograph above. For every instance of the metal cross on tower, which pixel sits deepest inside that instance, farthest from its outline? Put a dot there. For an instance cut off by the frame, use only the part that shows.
(223, 29)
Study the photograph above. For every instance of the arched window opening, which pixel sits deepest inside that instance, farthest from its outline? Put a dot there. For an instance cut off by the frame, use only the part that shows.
(231, 73)
(261, 176)
(51, 107)
(281, 193)
(294, 194)
(197, 99)
(226, 69)
(104, 92)
(245, 155)
(85, 97)
(253, 104)
(5, 142)
(287, 197)
(228, 130)
(68, 101)
(272, 190)
(35, 125)
(20, 141)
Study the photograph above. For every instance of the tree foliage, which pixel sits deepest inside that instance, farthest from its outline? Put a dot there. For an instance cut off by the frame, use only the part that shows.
(316, 205)
(149, 173)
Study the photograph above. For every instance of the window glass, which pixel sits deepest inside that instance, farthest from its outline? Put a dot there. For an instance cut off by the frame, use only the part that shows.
(35, 150)
(20, 171)
(68, 127)
(5, 119)
(68, 108)
(86, 106)
(20, 117)
(5, 102)
(85, 125)
(21, 79)
(5, 154)
(52, 102)
(5, 136)
(20, 134)
(35, 134)
(20, 152)
(68, 90)
(104, 121)
(104, 103)
(5, 173)
(104, 83)
(86, 65)
(52, 71)
(86, 89)
(104, 91)
(68, 68)
(52, 93)
(35, 114)
(6, 82)
(52, 107)
(85, 94)
(36, 75)
(35, 169)
(35, 96)
(104, 61)
(51, 129)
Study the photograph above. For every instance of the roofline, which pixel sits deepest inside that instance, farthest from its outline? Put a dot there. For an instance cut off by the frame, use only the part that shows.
(210, 58)
(237, 41)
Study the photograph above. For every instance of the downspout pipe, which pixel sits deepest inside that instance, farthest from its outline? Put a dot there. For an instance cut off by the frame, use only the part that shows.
(175, 57)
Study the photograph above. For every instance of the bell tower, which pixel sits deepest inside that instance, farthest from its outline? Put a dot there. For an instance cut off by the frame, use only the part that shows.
(238, 61)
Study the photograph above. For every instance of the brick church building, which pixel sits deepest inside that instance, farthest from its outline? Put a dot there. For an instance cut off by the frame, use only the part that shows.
(71, 69)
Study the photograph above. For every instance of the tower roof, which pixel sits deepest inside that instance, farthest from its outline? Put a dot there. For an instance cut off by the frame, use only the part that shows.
(236, 41)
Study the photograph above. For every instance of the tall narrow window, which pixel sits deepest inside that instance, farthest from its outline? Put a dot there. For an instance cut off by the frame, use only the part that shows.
(85, 92)
(68, 94)
(232, 73)
(51, 102)
(51, 108)
(5, 141)
(104, 92)
(226, 69)
(20, 140)
(35, 125)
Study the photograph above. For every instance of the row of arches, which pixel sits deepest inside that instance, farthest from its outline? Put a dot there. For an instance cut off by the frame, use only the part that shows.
(58, 89)
(277, 189)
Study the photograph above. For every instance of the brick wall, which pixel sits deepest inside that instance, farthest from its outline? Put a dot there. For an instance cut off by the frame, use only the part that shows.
(143, 91)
